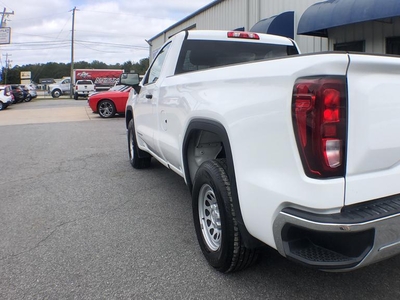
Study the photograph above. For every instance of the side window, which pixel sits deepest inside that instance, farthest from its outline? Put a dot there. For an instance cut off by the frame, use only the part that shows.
(155, 69)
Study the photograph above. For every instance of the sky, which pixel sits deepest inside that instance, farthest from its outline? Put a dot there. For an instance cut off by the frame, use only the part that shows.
(110, 31)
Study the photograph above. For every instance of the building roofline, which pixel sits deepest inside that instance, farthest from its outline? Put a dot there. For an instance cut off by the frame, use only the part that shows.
(208, 6)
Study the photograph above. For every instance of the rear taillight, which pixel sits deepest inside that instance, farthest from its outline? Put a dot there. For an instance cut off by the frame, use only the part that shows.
(319, 110)
(243, 35)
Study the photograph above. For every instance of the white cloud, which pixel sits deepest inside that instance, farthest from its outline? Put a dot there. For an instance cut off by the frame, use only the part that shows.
(111, 31)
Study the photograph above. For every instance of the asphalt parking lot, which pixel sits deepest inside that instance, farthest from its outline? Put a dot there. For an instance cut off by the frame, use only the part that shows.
(78, 222)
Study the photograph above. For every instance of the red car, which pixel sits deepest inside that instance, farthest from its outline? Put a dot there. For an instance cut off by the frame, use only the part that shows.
(108, 103)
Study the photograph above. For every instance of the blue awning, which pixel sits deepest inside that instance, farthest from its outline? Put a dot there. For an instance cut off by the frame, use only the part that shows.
(320, 17)
(282, 24)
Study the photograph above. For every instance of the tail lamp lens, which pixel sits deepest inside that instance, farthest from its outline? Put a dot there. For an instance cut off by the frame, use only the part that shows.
(319, 119)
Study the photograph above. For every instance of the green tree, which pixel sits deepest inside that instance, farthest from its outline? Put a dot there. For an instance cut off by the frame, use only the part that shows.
(59, 70)
(127, 66)
(143, 65)
(98, 65)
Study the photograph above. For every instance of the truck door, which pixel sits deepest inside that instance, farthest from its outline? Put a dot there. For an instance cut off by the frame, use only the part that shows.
(66, 86)
(145, 109)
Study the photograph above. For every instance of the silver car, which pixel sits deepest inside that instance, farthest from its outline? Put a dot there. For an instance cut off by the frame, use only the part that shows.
(30, 90)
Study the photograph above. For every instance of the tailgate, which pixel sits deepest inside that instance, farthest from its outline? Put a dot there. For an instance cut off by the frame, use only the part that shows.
(373, 148)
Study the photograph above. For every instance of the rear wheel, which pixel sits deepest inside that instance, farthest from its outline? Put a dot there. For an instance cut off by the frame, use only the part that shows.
(2, 106)
(28, 98)
(76, 96)
(106, 109)
(215, 222)
(134, 152)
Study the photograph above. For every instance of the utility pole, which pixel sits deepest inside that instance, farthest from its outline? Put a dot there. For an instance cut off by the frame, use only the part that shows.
(8, 65)
(72, 53)
(5, 14)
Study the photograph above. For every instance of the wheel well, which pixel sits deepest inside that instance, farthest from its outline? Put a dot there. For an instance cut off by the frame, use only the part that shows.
(205, 140)
(128, 116)
(202, 145)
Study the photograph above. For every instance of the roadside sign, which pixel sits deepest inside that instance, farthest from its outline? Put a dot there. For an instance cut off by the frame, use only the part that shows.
(25, 74)
(5, 34)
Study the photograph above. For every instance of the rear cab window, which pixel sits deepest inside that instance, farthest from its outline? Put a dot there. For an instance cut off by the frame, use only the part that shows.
(200, 54)
(84, 82)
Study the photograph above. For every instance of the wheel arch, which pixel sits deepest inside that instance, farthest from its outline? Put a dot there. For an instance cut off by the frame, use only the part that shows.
(214, 132)
(104, 99)
(128, 115)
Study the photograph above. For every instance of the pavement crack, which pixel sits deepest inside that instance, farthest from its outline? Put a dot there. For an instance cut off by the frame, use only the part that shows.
(40, 242)
(58, 226)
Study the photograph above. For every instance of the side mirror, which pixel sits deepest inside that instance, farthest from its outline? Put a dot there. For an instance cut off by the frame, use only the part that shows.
(130, 79)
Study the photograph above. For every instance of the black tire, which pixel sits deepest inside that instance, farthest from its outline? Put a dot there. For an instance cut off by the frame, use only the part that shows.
(215, 222)
(28, 98)
(56, 93)
(76, 96)
(2, 106)
(138, 158)
(106, 109)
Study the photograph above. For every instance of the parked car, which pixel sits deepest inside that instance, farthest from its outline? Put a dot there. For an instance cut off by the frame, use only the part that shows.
(18, 93)
(116, 87)
(107, 104)
(119, 88)
(29, 91)
(5, 96)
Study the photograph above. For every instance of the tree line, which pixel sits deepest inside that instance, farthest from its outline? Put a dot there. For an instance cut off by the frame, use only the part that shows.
(59, 70)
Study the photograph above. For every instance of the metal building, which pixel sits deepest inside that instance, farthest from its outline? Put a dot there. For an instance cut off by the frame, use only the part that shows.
(371, 26)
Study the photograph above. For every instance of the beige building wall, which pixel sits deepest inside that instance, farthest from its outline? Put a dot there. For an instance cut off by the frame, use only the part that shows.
(232, 14)
(374, 33)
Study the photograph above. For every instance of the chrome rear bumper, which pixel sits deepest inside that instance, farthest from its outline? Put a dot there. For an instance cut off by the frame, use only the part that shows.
(357, 236)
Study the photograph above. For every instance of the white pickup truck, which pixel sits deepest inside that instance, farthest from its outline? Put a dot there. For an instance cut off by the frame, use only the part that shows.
(83, 88)
(297, 152)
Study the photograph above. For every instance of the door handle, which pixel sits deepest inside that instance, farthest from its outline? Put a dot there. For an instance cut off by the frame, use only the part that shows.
(148, 96)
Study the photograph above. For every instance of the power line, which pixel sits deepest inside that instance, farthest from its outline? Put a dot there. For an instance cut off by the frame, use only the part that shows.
(39, 18)
(97, 43)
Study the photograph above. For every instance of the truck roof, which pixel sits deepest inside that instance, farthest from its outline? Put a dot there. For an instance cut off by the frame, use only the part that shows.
(223, 35)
